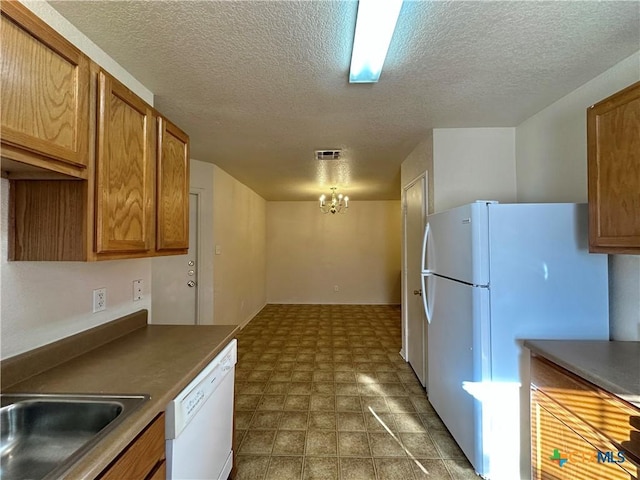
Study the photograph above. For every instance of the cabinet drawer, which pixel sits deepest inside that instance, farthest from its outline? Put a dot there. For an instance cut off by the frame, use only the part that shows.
(561, 436)
(160, 472)
(141, 456)
(613, 418)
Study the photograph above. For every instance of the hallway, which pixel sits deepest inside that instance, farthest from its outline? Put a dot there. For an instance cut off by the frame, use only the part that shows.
(322, 393)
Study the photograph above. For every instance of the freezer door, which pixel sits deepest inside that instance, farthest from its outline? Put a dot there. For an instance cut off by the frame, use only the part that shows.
(456, 246)
(458, 360)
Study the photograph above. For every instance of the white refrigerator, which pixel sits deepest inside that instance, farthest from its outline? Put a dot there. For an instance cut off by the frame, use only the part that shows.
(494, 274)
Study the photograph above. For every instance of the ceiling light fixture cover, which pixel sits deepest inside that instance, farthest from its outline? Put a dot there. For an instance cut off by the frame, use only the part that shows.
(375, 24)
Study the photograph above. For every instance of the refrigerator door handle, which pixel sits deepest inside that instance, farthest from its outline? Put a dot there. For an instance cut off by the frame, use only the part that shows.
(425, 239)
(425, 294)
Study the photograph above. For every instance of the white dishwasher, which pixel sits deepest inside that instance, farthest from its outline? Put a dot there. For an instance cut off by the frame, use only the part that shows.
(199, 423)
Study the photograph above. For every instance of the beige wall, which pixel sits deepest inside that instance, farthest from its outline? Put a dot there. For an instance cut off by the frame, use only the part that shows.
(239, 232)
(419, 161)
(42, 302)
(473, 164)
(308, 253)
(551, 151)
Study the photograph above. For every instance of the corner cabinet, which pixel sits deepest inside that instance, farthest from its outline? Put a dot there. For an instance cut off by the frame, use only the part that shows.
(45, 95)
(578, 431)
(613, 143)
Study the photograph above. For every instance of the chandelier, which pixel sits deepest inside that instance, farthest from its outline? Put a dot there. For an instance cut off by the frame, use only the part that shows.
(337, 204)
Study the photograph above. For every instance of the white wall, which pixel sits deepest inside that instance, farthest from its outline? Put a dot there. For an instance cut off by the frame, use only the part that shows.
(471, 164)
(419, 161)
(551, 152)
(308, 253)
(42, 302)
(45, 301)
(239, 270)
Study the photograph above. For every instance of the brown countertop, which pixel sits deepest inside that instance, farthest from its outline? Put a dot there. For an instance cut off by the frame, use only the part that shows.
(158, 360)
(612, 366)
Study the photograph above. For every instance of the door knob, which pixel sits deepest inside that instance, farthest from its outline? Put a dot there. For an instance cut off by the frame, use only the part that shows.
(191, 283)
(417, 292)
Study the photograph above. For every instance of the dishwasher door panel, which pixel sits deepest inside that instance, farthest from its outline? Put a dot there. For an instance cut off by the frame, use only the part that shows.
(202, 451)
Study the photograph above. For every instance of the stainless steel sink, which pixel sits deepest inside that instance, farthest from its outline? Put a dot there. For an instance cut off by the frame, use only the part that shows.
(44, 434)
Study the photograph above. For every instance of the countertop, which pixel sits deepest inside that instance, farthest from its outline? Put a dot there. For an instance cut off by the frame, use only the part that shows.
(612, 366)
(159, 360)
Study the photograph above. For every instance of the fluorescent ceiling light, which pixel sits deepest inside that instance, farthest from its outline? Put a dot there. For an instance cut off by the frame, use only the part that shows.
(374, 29)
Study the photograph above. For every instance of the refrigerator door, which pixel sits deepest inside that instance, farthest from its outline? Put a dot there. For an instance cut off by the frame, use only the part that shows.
(458, 360)
(455, 244)
(544, 285)
(544, 282)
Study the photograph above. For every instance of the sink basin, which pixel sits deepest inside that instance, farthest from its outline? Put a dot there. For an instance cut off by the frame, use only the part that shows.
(44, 434)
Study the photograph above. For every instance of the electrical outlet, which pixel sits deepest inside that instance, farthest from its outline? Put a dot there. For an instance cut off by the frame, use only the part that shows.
(137, 290)
(99, 299)
(336, 288)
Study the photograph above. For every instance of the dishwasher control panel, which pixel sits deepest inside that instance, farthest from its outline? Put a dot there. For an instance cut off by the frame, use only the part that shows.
(184, 407)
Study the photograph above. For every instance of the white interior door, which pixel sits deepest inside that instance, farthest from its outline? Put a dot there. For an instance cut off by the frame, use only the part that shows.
(415, 320)
(174, 296)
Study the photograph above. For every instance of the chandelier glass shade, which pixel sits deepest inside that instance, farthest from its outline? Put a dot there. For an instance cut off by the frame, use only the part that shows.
(338, 203)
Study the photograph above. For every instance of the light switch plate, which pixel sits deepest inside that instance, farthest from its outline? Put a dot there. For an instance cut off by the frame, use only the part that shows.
(137, 290)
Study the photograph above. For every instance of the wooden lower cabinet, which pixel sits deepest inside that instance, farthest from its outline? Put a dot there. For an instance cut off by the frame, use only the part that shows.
(580, 432)
(160, 472)
(144, 458)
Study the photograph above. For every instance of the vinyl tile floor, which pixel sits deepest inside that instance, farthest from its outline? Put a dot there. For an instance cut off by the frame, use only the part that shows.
(323, 393)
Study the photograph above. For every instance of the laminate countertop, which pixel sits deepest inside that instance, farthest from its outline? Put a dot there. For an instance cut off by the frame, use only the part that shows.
(612, 366)
(158, 360)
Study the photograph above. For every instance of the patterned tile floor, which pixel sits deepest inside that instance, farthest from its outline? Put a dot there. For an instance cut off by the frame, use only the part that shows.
(322, 393)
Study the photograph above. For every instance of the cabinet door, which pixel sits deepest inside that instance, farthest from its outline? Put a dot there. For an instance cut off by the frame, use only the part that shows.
(563, 449)
(124, 170)
(613, 133)
(172, 172)
(143, 458)
(45, 94)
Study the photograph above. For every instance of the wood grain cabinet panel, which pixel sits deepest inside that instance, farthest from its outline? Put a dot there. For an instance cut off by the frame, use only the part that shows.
(576, 448)
(579, 420)
(126, 196)
(172, 202)
(124, 170)
(45, 95)
(613, 140)
(143, 458)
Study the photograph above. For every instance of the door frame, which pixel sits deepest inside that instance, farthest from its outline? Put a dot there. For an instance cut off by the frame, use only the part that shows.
(197, 192)
(423, 177)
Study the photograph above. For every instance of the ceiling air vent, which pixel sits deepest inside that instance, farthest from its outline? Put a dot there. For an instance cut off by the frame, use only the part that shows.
(328, 154)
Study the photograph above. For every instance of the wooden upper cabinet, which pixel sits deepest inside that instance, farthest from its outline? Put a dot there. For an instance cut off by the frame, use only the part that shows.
(45, 95)
(172, 199)
(125, 161)
(613, 140)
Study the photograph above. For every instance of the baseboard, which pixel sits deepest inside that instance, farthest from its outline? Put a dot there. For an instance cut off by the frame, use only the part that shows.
(334, 303)
(246, 321)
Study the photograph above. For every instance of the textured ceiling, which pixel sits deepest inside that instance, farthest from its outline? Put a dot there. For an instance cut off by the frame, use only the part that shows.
(259, 85)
